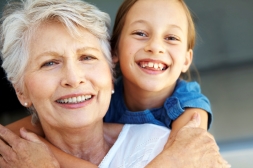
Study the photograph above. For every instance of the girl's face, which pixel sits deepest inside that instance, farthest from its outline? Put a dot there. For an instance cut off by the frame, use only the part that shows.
(68, 79)
(152, 49)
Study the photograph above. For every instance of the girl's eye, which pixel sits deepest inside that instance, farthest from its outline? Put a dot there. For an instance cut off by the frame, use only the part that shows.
(140, 33)
(173, 38)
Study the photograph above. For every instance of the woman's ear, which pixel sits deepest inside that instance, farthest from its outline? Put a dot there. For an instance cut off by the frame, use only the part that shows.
(22, 97)
(188, 60)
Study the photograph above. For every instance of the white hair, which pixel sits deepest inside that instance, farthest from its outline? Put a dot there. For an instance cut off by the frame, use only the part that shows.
(21, 19)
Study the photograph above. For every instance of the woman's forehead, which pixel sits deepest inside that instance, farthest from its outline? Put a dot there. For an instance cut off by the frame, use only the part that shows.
(56, 36)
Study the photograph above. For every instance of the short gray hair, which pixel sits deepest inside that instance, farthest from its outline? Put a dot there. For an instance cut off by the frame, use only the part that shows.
(21, 19)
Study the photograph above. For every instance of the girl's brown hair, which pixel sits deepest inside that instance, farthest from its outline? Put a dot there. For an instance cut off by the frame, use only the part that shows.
(120, 21)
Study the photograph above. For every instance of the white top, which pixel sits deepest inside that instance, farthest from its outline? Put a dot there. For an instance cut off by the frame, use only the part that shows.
(136, 146)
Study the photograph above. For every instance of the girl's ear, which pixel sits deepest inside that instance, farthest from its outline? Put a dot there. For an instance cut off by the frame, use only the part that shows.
(115, 57)
(22, 97)
(188, 60)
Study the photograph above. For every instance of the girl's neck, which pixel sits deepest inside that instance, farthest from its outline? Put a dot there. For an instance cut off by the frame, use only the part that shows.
(137, 99)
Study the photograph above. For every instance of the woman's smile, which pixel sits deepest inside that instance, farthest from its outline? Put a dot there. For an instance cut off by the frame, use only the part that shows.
(74, 100)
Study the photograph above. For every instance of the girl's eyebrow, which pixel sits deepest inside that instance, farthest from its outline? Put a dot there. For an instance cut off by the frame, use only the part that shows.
(145, 22)
(139, 21)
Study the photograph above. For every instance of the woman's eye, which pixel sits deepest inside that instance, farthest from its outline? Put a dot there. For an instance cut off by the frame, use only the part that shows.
(87, 57)
(49, 63)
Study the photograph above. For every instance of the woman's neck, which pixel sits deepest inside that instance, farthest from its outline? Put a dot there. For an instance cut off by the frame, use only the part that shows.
(91, 144)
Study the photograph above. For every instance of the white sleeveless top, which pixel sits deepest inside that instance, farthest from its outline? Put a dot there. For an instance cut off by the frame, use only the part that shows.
(136, 146)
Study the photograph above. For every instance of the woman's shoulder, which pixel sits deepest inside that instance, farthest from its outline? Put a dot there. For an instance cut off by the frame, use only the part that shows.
(112, 131)
(137, 145)
(147, 130)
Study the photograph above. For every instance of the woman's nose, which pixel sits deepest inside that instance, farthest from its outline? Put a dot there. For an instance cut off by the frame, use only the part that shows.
(72, 76)
(155, 46)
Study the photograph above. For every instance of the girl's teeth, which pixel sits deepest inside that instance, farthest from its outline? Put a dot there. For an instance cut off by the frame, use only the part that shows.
(150, 64)
(87, 97)
(159, 66)
(155, 65)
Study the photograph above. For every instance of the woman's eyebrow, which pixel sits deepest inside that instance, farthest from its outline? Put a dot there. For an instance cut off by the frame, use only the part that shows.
(48, 53)
(83, 49)
(56, 54)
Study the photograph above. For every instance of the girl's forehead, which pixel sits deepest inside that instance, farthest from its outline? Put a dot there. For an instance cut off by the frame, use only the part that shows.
(156, 7)
(157, 11)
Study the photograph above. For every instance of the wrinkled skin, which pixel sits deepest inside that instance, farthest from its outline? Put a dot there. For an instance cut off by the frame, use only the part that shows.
(16, 152)
(191, 147)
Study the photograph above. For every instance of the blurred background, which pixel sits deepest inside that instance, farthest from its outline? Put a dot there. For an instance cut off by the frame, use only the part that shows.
(224, 58)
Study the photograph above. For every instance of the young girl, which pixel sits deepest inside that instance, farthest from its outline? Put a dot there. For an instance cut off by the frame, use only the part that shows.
(152, 43)
(153, 48)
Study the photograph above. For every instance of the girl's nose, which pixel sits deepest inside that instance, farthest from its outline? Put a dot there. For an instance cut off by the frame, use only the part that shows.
(155, 46)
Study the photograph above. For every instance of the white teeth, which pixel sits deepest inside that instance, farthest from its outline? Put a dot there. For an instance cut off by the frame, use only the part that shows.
(150, 64)
(155, 65)
(159, 66)
(73, 100)
(87, 97)
(79, 98)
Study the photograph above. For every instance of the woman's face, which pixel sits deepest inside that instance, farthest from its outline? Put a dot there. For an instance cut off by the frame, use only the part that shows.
(68, 80)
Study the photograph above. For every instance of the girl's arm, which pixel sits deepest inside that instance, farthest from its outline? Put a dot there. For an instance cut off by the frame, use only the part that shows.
(68, 161)
(191, 146)
(26, 123)
(167, 157)
(65, 160)
(183, 119)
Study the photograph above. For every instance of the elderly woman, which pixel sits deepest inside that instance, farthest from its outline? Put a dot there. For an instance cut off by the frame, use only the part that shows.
(64, 76)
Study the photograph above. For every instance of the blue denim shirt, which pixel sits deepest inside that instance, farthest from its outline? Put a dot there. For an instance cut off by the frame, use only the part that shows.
(186, 94)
